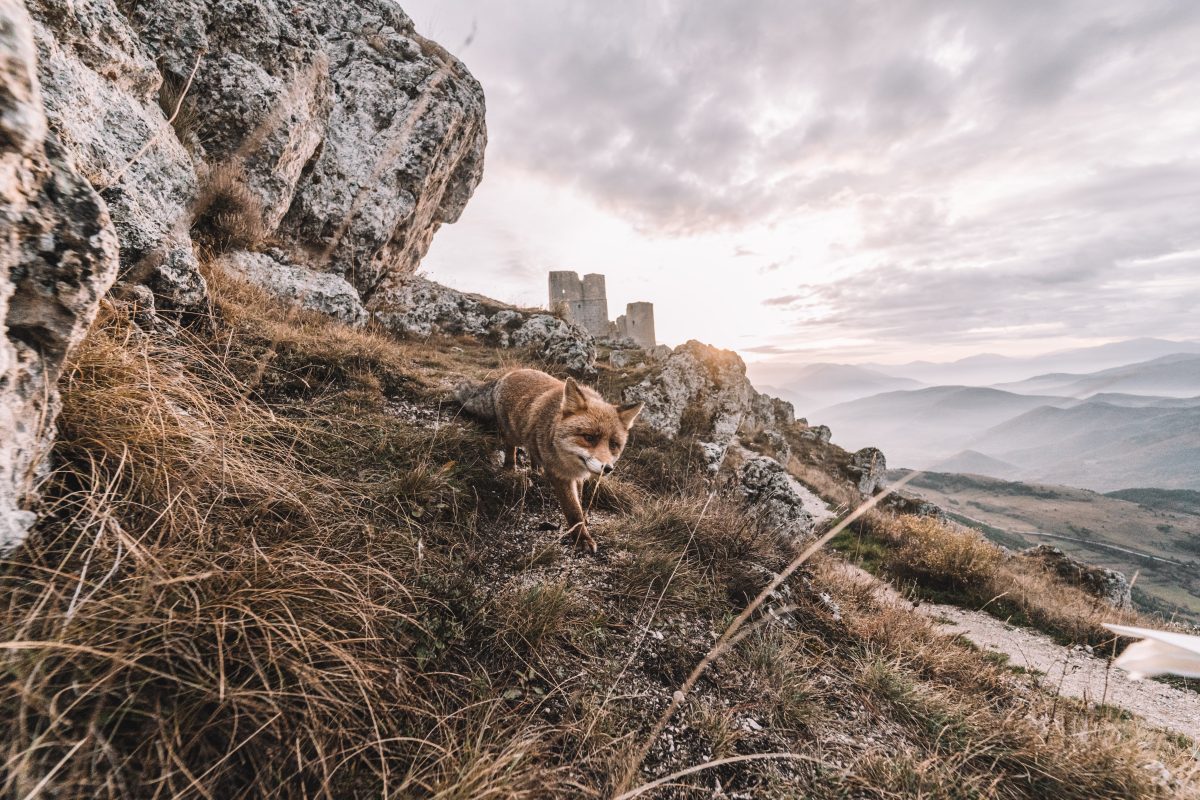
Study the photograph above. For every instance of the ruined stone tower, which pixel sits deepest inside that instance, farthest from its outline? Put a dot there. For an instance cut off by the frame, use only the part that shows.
(585, 302)
(637, 323)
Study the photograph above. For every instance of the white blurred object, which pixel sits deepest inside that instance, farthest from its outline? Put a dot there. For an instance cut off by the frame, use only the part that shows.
(1159, 653)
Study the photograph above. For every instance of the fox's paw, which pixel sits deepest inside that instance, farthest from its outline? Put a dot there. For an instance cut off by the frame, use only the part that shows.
(582, 539)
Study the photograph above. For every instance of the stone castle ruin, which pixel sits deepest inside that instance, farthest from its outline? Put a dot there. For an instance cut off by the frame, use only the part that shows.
(585, 302)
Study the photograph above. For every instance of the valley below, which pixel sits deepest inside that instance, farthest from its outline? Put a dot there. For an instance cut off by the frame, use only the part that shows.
(1153, 536)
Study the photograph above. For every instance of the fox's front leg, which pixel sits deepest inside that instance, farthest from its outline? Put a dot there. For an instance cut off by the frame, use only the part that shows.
(568, 497)
(510, 456)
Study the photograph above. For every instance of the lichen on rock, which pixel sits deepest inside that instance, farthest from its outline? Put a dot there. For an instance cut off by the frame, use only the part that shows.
(323, 292)
(709, 385)
(58, 256)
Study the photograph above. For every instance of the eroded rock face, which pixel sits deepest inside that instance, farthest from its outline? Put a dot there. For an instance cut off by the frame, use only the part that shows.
(771, 493)
(359, 136)
(420, 307)
(58, 255)
(353, 137)
(1107, 584)
(706, 387)
(817, 433)
(316, 291)
(100, 89)
(869, 465)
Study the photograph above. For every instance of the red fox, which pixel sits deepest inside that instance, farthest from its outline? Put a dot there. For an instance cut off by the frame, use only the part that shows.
(568, 430)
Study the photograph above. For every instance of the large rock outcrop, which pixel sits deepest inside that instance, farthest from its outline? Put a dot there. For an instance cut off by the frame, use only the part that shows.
(358, 136)
(778, 501)
(420, 307)
(58, 255)
(1109, 585)
(706, 389)
(334, 130)
(869, 466)
(323, 292)
(100, 89)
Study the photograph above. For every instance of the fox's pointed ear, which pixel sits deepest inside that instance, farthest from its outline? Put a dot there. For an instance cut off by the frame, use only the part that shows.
(573, 400)
(629, 413)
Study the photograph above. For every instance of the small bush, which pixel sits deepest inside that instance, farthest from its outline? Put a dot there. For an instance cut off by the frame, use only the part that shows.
(939, 555)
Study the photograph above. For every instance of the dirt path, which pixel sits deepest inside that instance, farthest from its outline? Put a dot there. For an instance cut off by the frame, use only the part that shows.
(1075, 673)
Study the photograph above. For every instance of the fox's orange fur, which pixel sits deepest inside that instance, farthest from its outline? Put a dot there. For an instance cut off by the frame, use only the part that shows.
(568, 430)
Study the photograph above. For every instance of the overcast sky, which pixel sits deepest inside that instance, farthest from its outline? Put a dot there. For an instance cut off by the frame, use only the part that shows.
(840, 180)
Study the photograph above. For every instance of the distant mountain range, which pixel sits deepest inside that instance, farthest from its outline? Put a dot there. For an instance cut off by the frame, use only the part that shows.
(1100, 446)
(812, 386)
(1117, 427)
(989, 369)
(922, 426)
(1176, 375)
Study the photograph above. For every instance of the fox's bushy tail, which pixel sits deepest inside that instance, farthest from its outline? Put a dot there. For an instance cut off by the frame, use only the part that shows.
(477, 399)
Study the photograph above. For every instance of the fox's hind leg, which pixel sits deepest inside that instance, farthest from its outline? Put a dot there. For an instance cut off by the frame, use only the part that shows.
(510, 456)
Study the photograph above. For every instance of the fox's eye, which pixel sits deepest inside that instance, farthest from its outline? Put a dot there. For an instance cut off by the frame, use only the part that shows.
(614, 445)
(591, 438)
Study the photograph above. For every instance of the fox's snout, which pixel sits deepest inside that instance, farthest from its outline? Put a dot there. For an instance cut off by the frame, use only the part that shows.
(596, 466)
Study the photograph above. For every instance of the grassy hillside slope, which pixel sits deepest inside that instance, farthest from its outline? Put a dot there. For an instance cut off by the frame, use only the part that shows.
(274, 563)
(1088, 526)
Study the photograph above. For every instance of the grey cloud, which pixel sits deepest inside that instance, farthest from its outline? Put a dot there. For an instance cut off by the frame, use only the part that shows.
(782, 300)
(675, 116)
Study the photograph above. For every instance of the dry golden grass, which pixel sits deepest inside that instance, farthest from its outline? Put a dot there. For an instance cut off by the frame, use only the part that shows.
(181, 111)
(946, 562)
(229, 215)
(254, 579)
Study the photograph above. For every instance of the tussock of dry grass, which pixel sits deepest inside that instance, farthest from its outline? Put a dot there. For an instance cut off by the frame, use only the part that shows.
(230, 215)
(948, 563)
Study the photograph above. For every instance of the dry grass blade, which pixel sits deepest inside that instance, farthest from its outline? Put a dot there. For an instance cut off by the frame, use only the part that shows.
(720, 762)
(150, 142)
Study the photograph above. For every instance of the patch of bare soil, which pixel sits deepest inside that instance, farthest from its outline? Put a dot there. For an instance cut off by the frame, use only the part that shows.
(1073, 671)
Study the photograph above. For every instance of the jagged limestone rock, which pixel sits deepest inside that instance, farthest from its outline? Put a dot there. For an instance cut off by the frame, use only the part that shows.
(707, 387)
(771, 493)
(353, 137)
(1107, 584)
(420, 307)
(58, 255)
(100, 89)
(818, 433)
(558, 341)
(620, 359)
(360, 136)
(869, 466)
(317, 291)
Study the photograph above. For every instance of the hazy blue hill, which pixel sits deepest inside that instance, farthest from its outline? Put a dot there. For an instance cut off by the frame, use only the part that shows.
(1102, 447)
(1045, 425)
(918, 427)
(973, 462)
(1144, 401)
(1174, 375)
